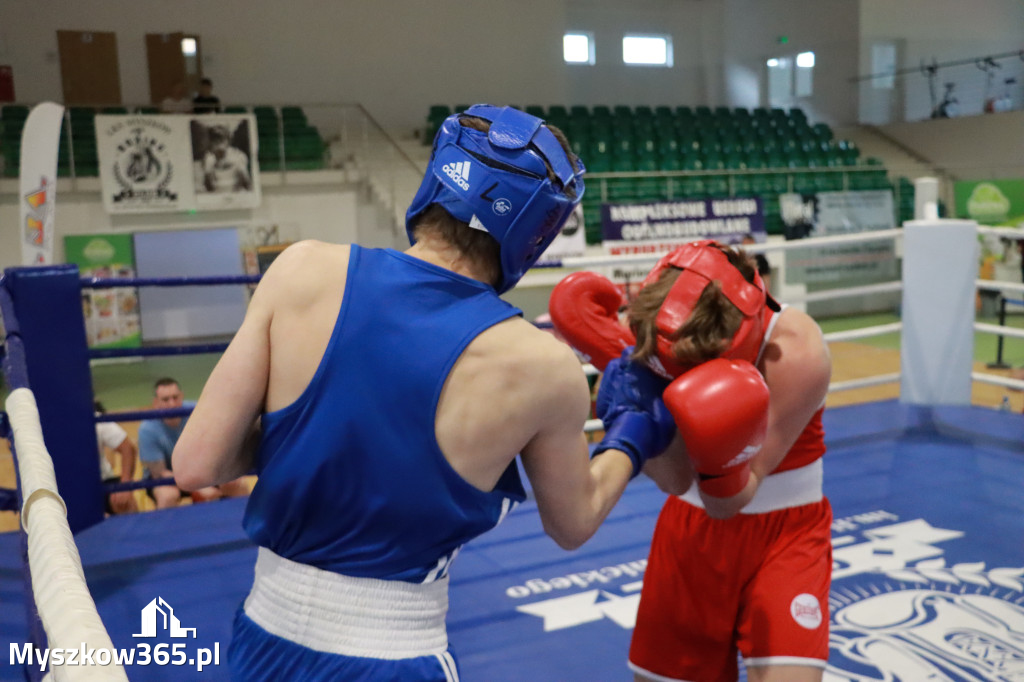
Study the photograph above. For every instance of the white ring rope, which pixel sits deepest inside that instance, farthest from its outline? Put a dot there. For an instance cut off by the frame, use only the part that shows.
(998, 330)
(863, 383)
(864, 332)
(635, 258)
(1004, 232)
(829, 294)
(62, 598)
(995, 285)
(997, 380)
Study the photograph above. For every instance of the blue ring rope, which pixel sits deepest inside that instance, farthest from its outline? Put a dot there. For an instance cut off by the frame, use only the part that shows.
(9, 499)
(144, 415)
(157, 350)
(112, 282)
(137, 485)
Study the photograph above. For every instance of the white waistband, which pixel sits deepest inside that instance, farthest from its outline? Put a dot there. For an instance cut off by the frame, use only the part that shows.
(339, 614)
(793, 488)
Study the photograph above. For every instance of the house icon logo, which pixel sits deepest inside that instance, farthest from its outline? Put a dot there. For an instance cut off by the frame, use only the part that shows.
(168, 621)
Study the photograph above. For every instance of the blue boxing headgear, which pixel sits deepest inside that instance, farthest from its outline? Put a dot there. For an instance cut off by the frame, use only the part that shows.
(498, 182)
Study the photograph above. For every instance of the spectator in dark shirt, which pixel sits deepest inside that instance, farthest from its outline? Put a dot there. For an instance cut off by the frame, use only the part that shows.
(205, 102)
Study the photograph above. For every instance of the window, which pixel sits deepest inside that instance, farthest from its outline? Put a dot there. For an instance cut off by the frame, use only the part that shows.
(647, 50)
(883, 61)
(780, 81)
(789, 78)
(578, 48)
(804, 74)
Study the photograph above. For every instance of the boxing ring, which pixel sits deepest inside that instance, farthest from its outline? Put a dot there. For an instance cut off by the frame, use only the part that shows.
(928, 579)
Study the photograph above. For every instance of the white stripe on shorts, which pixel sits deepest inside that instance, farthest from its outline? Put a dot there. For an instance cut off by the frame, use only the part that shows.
(451, 673)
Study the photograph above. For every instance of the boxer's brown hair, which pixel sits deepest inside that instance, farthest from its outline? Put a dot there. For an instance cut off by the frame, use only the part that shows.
(708, 331)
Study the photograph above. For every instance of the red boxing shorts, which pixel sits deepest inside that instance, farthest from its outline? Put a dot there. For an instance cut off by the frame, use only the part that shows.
(757, 583)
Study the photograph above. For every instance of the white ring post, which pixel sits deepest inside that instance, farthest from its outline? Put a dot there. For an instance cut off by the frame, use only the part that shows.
(940, 265)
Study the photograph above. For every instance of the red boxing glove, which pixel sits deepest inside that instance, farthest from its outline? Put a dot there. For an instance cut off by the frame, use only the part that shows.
(584, 308)
(721, 410)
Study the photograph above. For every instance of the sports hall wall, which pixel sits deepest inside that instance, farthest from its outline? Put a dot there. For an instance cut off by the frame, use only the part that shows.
(397, 57)
(944, 31)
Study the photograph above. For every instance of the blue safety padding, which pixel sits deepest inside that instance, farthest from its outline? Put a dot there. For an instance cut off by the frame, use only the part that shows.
(888, 466)
(48, 305)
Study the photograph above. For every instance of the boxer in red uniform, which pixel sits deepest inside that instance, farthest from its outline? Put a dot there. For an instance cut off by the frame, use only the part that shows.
(741, 555)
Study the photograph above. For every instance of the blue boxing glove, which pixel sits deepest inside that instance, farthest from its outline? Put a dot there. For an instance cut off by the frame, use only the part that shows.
(635, 418)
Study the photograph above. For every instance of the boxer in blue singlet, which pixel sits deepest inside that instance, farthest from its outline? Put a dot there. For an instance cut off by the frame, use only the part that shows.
(383, 396)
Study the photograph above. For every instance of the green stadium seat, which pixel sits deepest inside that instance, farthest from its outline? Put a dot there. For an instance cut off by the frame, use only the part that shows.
(558, 111)
(598, 163)
(13, 112)
(822, 131)
(623, 163)
(646, 162)
(579, 111)
(670, 161)
(293, 113)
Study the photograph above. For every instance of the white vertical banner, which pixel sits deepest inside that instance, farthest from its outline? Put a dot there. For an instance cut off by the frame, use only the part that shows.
(40, 141)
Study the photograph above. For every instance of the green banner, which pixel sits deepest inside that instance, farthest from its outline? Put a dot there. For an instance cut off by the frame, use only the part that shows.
(990, 202)
(111, 315)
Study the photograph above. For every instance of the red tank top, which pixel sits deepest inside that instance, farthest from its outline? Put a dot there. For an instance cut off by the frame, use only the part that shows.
(809, 446)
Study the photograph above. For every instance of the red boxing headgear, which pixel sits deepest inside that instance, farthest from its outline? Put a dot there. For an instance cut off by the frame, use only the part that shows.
(701, 263)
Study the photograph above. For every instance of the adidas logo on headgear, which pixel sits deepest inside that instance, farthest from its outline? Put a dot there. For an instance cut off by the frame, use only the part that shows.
(459, 172)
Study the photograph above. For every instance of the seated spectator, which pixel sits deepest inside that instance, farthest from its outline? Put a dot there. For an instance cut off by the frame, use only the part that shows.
(177, 102)
(205, 102)
(112, 438)
(157, 438)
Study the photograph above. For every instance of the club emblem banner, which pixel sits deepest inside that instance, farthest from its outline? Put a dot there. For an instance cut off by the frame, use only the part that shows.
(174, 163)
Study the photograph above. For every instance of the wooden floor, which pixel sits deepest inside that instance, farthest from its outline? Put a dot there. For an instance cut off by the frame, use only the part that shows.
(849, 361)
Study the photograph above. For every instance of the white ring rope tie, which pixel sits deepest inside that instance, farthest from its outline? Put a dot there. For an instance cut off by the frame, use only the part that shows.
(65, 606)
